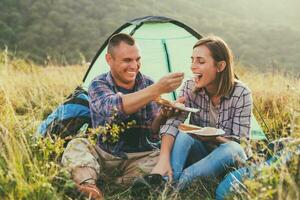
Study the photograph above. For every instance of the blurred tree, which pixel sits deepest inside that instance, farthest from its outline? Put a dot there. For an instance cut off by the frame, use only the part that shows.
(66, 31)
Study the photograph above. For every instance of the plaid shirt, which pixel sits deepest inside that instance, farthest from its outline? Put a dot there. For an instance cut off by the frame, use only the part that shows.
(105, 98)
(234, 115)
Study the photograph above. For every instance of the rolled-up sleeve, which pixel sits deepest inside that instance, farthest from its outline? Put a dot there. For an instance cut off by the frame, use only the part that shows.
(171, 126)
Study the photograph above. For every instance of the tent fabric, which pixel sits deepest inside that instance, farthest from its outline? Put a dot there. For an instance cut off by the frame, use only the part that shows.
(166, 46)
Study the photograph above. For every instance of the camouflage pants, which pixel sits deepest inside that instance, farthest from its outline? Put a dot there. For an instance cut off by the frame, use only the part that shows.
(81, 154)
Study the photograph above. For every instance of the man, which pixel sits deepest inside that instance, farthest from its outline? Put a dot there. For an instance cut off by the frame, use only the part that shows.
(121, 95)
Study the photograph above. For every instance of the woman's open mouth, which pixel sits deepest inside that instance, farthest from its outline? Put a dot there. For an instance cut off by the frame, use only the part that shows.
(197, 76)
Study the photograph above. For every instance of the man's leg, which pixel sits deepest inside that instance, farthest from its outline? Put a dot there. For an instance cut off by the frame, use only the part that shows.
(214, 164)
(138, 164)
(81, 159)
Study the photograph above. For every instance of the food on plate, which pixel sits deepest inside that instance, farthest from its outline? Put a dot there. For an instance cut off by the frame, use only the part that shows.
(164, 102)
(205, 131)
(177, 105)
(188, 127)
(209, 130)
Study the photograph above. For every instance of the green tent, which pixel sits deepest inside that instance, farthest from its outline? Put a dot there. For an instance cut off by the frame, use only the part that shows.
(166, 46)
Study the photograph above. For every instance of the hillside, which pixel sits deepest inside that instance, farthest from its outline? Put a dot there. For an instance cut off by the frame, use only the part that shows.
(261, 33)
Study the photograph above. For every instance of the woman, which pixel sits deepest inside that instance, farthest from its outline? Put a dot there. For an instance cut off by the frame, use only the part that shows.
(224, 103)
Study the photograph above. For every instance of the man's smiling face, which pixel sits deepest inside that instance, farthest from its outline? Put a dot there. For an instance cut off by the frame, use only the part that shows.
(124, 64)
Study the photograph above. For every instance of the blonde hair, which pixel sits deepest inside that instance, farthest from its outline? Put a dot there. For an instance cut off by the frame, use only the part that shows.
(220, 52)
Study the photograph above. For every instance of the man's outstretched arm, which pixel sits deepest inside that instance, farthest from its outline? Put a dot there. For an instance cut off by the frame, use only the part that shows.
(135, 101)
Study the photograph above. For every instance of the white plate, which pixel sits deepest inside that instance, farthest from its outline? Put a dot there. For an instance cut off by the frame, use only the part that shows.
(206, 131)
(188, 109)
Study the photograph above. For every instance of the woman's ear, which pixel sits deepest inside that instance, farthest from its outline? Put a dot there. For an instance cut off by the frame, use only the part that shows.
(221, 66)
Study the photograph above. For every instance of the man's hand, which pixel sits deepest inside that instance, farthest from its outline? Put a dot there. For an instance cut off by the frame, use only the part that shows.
(163, 167)
(170, 82)
(133, 102)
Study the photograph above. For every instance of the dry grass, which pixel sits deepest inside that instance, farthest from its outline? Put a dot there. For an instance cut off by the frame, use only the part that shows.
(30, 169)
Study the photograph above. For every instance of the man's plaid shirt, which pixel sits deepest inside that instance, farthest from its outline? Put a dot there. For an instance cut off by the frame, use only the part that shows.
(234, 115)
(105, 98)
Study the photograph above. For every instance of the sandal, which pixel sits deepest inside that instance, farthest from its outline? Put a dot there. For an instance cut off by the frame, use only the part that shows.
(90, 189)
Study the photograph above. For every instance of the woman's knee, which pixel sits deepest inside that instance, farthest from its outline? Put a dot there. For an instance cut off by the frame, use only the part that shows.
(184, 137)
(234, 149)
(183, 140)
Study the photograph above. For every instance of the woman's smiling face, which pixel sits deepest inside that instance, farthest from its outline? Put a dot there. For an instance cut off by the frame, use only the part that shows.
(204, 68)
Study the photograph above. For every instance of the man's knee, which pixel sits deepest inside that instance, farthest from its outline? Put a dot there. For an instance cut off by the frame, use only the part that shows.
(80, 153)
(81, 144)
(84, 174)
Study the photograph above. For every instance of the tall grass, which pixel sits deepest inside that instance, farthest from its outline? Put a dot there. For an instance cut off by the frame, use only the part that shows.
(30, 169)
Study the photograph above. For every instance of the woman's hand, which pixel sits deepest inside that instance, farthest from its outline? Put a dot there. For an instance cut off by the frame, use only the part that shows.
(168, 112)
(163, 167)
(180, 100)
(212, 139)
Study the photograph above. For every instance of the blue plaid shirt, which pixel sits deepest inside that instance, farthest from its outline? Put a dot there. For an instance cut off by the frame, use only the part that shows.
(106, 100)
(105, 97)
(234, 115)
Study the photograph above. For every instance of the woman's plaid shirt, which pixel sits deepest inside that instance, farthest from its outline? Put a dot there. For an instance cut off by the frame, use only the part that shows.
(234, 115)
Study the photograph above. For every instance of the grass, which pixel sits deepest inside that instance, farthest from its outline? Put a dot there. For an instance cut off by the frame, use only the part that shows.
(30, 168)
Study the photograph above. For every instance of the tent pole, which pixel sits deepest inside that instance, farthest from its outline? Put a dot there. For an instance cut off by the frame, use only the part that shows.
(168, 62)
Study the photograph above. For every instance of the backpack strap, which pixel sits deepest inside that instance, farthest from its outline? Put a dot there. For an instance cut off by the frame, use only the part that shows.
(77, 100)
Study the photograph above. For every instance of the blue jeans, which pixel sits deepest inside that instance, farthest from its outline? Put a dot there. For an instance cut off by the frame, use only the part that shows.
(234, 180)
(209, 164)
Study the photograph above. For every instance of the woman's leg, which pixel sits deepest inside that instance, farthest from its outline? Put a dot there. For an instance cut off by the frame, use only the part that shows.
(184, 145)
(232, 180)
(214, 164)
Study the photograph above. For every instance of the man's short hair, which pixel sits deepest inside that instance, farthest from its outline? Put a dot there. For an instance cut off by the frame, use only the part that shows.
(116, 39)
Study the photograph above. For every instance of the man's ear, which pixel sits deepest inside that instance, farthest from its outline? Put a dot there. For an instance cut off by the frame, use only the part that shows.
(221, 66)
(108, 58)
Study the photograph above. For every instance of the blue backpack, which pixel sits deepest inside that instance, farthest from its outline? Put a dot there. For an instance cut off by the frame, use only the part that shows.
(69, 117)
